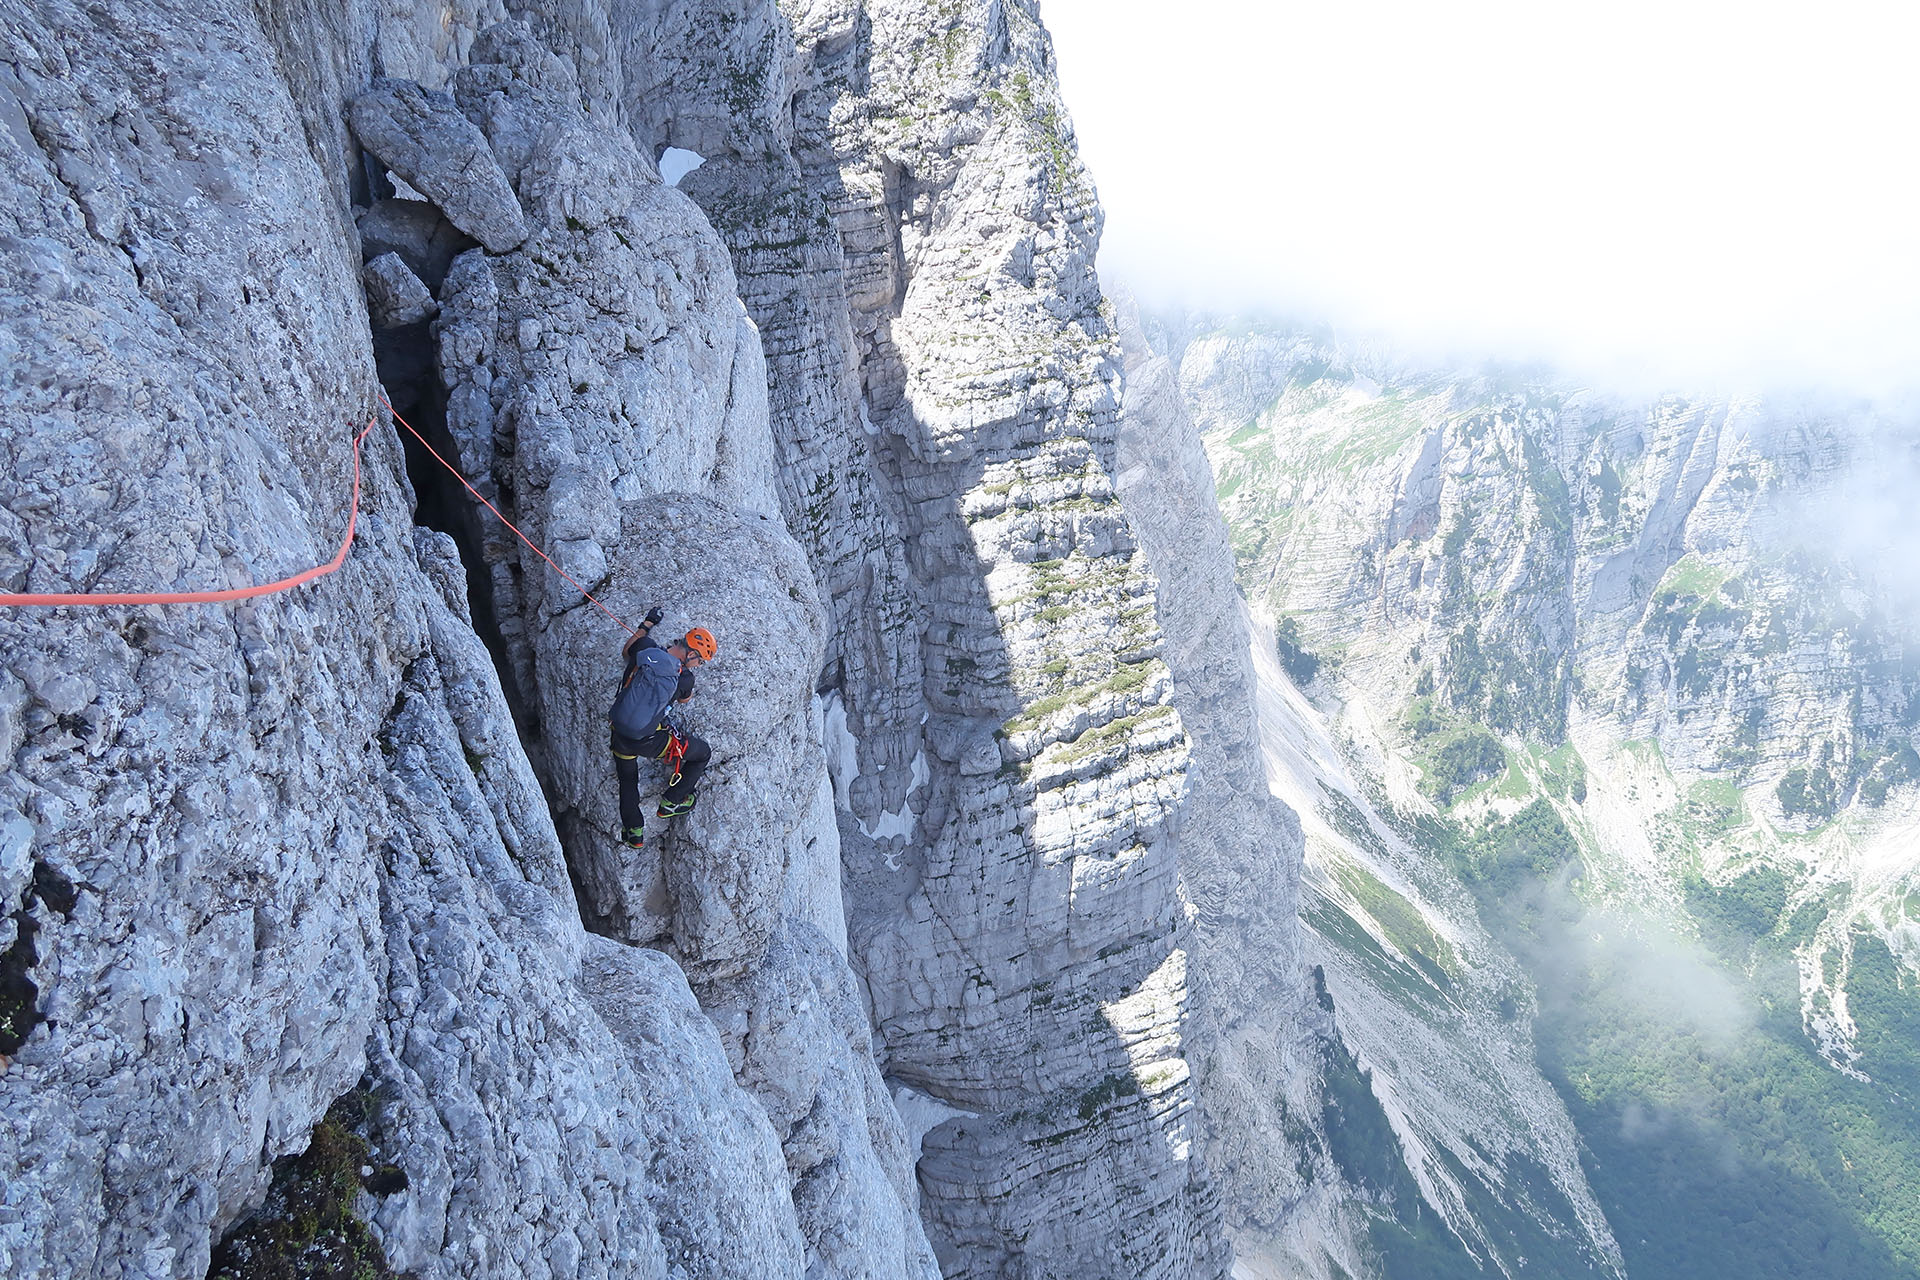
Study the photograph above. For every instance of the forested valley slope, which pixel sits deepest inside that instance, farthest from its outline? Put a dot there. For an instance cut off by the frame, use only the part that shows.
(1598, 713)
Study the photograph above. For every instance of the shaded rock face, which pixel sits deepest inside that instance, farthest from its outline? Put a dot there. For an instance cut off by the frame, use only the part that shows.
(913, 235)
(345, 837)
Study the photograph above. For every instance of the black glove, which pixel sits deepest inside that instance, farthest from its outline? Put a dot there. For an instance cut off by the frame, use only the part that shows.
(653, 617)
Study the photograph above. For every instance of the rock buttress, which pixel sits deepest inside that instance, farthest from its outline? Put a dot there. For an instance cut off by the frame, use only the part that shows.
(914, 235)
(307, 849)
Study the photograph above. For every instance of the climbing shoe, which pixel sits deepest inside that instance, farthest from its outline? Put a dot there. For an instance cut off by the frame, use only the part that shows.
(633, 837)
(674, 808)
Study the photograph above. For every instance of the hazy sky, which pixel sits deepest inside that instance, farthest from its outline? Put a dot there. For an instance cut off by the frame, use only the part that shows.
(1692, 192)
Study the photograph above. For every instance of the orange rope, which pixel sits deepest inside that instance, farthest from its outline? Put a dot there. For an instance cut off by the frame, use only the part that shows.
(503, 520)
(318, 571)
(209, 597)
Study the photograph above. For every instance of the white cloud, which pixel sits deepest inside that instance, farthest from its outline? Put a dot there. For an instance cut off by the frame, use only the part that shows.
(1698, 192)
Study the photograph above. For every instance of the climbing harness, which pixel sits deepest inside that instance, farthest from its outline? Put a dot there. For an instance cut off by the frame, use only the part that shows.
(318, 571)
(675, 753)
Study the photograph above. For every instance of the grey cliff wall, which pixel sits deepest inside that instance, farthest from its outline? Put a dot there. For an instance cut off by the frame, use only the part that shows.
(1241, 846)
(849, 399)
(914, 236)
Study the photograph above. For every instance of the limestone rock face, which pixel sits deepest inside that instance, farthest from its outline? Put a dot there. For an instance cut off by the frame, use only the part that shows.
(565, 167)
(1240, 845)
(434, 149)
(268, 851)
(914, 236)
(257, 855)
(558, 1102)
(416, 231)
(204, 782)
(395, 296)
(603, 382)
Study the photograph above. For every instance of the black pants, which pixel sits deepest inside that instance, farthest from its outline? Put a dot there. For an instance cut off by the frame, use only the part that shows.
(629, 752)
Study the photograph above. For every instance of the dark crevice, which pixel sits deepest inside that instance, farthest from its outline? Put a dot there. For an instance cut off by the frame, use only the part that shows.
(412, 381)
(310, 1227)
(19, 994)
(405, 358)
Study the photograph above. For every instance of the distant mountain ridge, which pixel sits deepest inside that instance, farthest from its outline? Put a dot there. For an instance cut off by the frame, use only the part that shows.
(1592, 662)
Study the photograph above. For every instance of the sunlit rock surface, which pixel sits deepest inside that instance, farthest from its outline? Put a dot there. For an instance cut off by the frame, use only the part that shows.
(913, 235)
(849, 401)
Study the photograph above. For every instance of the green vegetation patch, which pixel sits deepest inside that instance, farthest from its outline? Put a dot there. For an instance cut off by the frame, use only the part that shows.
(1718, 1152)
(1094, 741)
(1693, 592)
(1811, 791)
(1510, 681)
(1401, 921)
(1300, 665)
(1715, 806)
(1123, 679)
(1883, 998)
(1564, 773)
(1456, 755)
(1500, 859)
(1462, 759)
(1248, 434)
(1897, 763)
(307, 1229)
(1691, 577)
(1716, 1138)
(1369, 432)
(1398, 978)
(1733, 915)
(1349, 820)
(1359, 1136)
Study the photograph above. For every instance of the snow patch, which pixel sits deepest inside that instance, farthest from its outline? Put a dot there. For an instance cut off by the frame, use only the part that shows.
(401, 191)
(843, 766)
(900, 822)
(677, 162)
(921, 1114)
(843, 753)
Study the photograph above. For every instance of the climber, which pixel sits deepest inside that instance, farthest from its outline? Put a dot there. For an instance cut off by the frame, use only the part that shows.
(655, 679)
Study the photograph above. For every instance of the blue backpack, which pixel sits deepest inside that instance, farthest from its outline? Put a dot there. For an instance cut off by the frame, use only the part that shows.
(644, 698)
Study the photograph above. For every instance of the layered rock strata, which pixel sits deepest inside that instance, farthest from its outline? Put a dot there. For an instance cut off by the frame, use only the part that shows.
(914, 236)
(1241, 846)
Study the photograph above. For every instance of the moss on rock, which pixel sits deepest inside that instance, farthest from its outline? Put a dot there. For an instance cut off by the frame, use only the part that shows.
(308, 1229)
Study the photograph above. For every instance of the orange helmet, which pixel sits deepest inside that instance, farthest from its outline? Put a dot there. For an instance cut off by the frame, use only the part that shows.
(700, 640)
